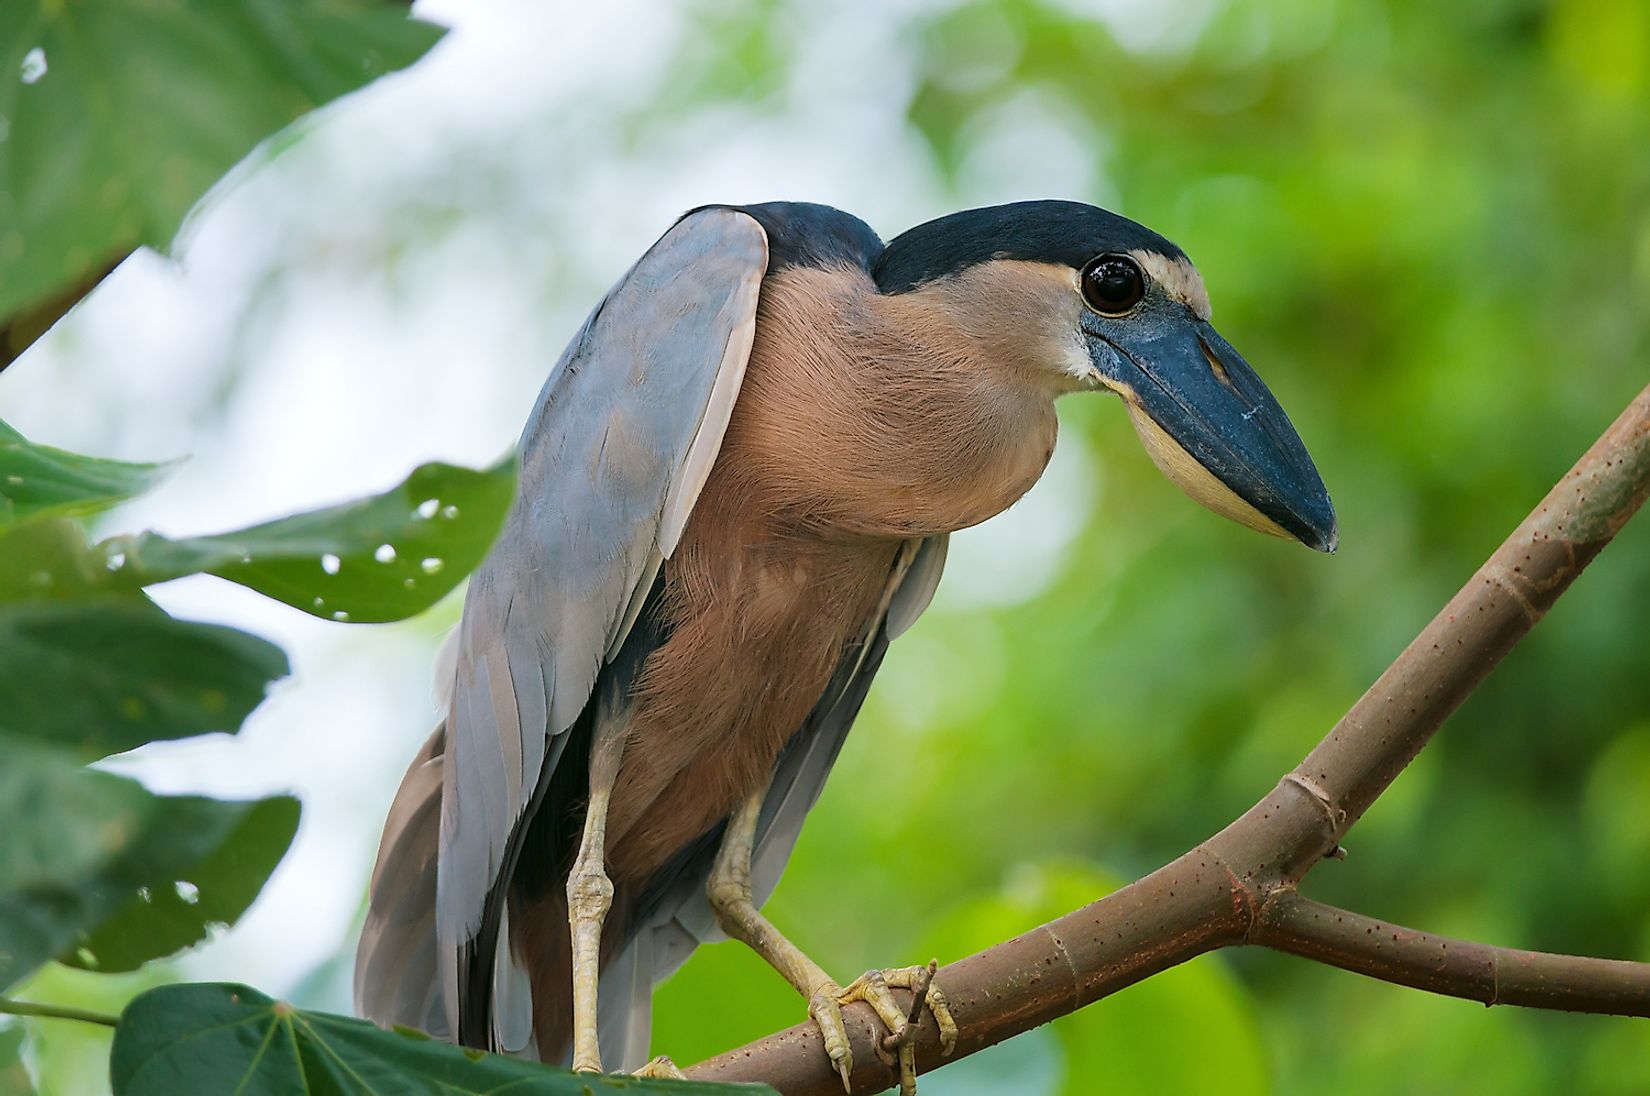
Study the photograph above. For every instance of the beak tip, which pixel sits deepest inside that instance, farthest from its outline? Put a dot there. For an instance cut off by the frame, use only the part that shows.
(1325, 538)
(1317, 526)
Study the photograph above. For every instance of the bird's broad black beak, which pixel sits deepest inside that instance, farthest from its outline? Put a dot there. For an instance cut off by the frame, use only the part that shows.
(1212, 426)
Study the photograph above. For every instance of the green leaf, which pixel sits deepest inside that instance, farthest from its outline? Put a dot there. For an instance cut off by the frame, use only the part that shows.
(238, 850)
(82, 846)
(108, 675)
(119, 114)
(226, 1038)
(14, 1078)
(37, 479)
(376, 559)
(381, 558)
(49, 559)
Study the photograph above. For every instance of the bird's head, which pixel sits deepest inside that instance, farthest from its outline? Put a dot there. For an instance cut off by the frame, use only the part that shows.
(1097, 301)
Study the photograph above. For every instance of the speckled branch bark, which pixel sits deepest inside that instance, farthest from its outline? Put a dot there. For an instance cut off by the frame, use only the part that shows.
(1459, 968)
(1238, 887)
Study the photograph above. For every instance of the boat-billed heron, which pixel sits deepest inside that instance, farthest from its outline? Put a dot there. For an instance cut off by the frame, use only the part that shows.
(735, 491)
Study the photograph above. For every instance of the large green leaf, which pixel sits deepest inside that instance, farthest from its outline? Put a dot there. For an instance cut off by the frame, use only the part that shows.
(380, 558)
(119, 114)
(238, 848)
(108, 675)
(82, 846)
(375, 559)
(226, 1038)
(37, 479)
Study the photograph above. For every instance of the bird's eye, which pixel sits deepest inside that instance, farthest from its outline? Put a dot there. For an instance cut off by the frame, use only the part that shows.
(1113, 284)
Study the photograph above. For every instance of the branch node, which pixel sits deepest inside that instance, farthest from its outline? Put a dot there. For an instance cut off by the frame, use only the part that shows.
(1498, 573)
(1334, 815)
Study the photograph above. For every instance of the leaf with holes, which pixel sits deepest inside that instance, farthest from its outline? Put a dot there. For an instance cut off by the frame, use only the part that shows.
(233, 852)
(81, 846)
(108, 675)
(37, 480)
(118, 115)
(226, 1038)
(380, 558)
(376, 559)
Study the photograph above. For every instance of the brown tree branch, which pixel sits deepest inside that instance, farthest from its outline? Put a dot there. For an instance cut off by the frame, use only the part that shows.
(1495, 976)
(1239, 886)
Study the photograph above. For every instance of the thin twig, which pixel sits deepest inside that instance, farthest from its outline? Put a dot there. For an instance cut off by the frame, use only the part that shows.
(1233, 888)
(56, 1012)
(919, 995)
(1295, 924)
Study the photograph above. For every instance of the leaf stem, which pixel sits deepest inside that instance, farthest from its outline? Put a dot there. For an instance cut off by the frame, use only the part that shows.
(56, 1012)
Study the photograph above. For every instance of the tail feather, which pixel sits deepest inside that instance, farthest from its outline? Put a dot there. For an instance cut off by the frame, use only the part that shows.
(624, 1008)
(395, 964)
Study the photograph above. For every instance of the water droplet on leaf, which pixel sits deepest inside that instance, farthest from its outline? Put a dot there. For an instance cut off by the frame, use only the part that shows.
(330, 563)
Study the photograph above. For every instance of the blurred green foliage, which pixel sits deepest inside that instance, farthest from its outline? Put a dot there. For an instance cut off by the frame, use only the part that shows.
(1428, 227)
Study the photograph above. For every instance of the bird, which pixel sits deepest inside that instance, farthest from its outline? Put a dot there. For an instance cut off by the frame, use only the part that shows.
(735, 490)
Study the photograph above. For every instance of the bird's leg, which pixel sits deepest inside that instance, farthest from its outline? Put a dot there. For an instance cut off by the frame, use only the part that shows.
(729, 890)
(590, 895)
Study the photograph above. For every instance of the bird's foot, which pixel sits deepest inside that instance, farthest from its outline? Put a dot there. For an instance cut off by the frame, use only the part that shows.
(661, 1067)
(873, 988)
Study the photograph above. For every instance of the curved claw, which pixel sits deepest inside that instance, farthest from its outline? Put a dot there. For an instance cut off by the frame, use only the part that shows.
(873, 988)
(825, 1007)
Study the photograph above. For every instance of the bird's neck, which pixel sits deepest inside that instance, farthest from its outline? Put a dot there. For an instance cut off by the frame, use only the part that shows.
(883, 416)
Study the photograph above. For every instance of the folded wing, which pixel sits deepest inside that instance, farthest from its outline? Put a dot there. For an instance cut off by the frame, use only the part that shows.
(613, 458)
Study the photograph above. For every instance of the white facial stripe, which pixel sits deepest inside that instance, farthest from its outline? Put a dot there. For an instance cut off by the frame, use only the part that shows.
(1179, 277)
(1074, 353)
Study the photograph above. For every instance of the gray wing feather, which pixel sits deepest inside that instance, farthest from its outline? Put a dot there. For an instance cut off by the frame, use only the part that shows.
(913, 594)
(612, 460)
(685, 920)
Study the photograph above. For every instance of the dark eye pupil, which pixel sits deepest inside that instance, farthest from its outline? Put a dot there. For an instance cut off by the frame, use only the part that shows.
(1113, 283)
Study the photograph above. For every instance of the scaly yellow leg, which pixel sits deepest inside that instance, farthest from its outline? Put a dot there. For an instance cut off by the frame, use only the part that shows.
(590, 896)
(729, 890)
